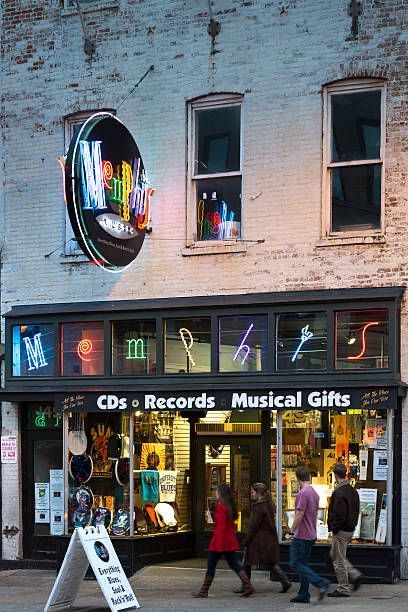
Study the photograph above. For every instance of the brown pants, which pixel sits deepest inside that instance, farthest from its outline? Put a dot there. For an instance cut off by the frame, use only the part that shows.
(342, 567)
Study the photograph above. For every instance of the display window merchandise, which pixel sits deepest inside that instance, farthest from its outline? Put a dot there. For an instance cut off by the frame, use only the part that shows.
(136, 488)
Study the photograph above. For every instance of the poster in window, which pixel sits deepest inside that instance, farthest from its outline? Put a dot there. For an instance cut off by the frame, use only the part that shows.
(363, 460)
(369, 437)
(42, 496)
(57, 490)
(42, 516)
(380, 465)
(381, 532)
(368, 506)
(153, 456)
(380, 433)
(57, 522)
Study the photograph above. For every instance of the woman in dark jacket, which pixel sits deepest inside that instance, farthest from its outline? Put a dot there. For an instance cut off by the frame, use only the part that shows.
(261, 540)
(224, 542)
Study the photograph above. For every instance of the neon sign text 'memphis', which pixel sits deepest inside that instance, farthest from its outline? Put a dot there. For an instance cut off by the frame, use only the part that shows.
(101, 183)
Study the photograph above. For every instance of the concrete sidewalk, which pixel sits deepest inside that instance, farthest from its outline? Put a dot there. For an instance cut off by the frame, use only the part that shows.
(168, 587)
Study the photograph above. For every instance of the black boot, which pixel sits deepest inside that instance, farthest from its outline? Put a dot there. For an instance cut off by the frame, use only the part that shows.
(248, 589)
(203, 592)
(282, 577)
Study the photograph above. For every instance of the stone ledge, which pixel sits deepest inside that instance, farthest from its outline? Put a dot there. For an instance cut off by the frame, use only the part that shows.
(95, 6)
(214, 249)
(346, 240)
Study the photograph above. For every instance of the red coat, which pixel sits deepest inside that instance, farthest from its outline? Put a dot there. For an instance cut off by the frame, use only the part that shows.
(224, 538)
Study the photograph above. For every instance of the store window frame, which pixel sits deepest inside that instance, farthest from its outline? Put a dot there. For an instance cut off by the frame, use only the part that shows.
(211, 102)
(344, 87)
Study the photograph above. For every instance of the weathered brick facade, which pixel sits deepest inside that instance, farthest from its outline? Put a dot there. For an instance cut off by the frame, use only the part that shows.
(278, 55)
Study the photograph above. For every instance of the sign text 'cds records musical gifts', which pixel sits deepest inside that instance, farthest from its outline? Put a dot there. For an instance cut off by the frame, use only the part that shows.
(91, 545)
(107, 192)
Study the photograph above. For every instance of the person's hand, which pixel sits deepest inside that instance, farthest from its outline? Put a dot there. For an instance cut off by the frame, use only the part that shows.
(289, 536)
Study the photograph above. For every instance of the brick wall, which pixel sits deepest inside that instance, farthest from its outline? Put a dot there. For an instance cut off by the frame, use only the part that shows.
(279, 60)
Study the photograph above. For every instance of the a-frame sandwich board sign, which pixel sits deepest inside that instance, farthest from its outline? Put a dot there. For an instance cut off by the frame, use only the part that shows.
(92, 545)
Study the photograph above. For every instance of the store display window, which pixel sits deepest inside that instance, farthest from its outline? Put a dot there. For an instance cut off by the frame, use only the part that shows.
(147, 491)
(33, 350)
(362, 339)
(301, 341)
(82, 349)
(188, 345)
(242, 343)
(134, 347)
(161, 473)
(319, 440)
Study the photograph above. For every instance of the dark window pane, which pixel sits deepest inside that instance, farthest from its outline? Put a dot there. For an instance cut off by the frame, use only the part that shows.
(243, 343)
(301, 341)
(218, 140)
(356, 197)
(356, 126)
(362, 339)
(219, 208)
(188, 345)
(134, 347)
(33, 350)
(82, 349)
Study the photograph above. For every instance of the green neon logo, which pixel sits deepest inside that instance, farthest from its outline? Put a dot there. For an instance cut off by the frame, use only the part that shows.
(136, 349)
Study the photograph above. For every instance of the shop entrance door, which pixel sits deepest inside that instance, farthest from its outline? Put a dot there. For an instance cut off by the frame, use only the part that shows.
(41, 452)
(230, 460)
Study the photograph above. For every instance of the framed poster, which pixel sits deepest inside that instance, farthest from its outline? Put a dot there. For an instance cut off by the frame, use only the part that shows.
(381, 532)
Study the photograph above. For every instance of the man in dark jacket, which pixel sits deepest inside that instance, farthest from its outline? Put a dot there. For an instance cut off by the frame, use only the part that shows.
(344, 510)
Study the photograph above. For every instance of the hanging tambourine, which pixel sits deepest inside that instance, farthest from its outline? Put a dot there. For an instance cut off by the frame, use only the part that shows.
(102, 516)
(77, 441)
(121, 522)
(82, 499)
(81, 468)
(122, 470)
(81, 519)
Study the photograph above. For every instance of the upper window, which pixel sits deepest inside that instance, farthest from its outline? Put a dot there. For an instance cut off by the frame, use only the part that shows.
(33, 350)
(215, 169)
(354, 156)
(82, 349)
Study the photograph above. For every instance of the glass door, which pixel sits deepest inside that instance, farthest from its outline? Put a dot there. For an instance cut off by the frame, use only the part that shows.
(227, 460)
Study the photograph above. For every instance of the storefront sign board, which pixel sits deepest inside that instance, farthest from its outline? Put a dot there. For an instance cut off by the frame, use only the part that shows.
(92, 545)
(273, 398)
(9, 449)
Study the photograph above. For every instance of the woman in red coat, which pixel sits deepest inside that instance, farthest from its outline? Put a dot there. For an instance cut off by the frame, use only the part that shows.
(224, 542)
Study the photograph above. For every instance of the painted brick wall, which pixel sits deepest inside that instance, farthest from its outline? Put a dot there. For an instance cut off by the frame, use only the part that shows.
(12, 521)
(279, 59)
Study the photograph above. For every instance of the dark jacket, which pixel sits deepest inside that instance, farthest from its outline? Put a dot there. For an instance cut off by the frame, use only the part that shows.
(261, 539)
(344, 508)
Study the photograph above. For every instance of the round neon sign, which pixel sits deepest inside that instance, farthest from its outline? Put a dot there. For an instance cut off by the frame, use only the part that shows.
(107, 192)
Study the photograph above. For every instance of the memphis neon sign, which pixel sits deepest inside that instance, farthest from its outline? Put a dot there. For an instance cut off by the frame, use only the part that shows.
(102, 183)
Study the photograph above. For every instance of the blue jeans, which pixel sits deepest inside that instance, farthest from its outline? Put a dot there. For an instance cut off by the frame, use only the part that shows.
(214, 557)
(299, 558)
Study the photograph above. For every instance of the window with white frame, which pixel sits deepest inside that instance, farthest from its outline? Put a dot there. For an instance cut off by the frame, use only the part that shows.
(72, 125)
(215, 163)
(354, 156)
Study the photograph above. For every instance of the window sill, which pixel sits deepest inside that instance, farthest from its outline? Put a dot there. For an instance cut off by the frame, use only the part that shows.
(96, 6)
(204, 248)
(344, 240)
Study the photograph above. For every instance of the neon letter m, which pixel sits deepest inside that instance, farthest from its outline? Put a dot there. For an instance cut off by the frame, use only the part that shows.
(35, 353)
(92, 179)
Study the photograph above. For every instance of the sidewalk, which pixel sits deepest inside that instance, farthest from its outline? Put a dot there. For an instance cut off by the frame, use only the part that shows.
(168, 587)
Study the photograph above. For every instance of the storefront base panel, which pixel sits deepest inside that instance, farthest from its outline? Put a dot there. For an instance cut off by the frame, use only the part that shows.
(135, 553)
(377, 564)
